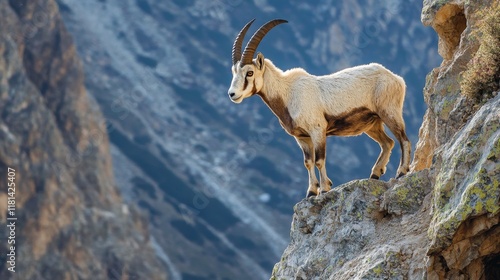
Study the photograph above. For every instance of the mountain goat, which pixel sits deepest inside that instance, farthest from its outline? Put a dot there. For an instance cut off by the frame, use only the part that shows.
(355, 100)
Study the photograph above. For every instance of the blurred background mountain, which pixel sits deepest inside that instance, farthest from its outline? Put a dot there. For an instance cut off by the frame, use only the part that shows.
(216, 182)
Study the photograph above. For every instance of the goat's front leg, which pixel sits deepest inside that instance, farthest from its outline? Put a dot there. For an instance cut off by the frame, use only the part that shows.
(319, 142)
(308, 149)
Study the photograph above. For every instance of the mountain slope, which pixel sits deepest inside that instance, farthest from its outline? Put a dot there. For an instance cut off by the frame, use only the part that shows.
(71, 220)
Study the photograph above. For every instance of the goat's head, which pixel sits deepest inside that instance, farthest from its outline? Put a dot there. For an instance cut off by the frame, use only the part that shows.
(247, 71)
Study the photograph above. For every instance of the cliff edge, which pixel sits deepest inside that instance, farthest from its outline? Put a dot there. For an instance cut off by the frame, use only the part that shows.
(441, 221)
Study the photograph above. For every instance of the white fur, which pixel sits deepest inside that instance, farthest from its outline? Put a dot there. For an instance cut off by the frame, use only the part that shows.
(309, 98)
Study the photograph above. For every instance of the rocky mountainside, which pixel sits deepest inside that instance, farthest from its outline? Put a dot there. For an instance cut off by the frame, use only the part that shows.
(72, 222)
(442, 220)
(216, 179)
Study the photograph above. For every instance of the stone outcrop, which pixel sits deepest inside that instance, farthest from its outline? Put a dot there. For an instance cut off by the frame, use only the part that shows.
(442, 220)
(71, 220)
(346, 234)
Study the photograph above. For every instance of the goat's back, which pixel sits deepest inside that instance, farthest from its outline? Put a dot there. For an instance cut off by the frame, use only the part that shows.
(371, 86)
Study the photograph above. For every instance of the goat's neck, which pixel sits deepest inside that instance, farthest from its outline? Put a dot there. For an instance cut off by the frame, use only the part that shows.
(275, 91)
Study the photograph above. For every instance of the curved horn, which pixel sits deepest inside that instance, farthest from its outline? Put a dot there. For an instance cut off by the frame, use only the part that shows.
(238, 42)
(249, 51)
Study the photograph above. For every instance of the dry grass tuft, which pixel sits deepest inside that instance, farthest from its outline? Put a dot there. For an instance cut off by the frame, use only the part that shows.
(482, 76)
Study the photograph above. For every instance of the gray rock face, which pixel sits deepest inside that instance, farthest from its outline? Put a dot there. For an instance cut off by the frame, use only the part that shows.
(364, 229)
(440, 221)
(464, 236)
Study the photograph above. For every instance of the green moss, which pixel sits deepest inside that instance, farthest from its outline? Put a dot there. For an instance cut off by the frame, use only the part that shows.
(492, 205)
(377, 270)
(493, 194)
(446, 107)
(402, 194)
(329, 269)
(443, 191)
(478, 192)
(428, 78)
(480, 197)
(449, 89)
(388, 268)
(407, 196)
(377, 190)
(359, 216)
(495, 151)
(275, 270)
(479, 206)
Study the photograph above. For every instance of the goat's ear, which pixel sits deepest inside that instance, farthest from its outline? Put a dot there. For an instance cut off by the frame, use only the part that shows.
(259, 61)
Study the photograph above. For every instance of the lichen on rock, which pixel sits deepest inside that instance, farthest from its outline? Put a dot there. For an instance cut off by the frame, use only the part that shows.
(441, 220)
(468, 181)
(342, 234)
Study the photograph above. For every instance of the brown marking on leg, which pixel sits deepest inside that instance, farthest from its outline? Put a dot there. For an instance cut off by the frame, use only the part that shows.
(308, 151)
(397, 126)
(320, 152)
(320, 160)
(406, 151)
(404, 143)
(386, 144)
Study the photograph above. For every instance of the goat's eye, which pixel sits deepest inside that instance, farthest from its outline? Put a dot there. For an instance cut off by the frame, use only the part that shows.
(249, 73)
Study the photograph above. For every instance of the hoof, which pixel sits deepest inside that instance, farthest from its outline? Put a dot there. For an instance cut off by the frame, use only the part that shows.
(374, 177)
(400, 175)
(309, 194)
(323, 192)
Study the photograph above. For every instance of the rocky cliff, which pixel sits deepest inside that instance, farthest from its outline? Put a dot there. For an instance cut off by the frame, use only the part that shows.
(442, 220)
(71, 220)
(215, 178)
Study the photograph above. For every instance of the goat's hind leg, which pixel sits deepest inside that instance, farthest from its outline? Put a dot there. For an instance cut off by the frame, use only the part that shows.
(396, 124)
(377, 133)
(404, 165)
(307, 147)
